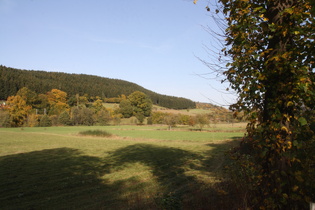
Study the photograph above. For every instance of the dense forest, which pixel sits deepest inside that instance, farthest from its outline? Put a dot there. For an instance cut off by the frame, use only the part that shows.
(12, 80)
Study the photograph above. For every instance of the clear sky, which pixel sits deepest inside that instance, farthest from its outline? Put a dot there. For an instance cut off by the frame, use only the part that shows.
(153, 43)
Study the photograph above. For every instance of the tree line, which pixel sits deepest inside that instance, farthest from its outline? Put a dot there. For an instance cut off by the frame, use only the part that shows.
(27, 108)
(109, 90)
(55, 108)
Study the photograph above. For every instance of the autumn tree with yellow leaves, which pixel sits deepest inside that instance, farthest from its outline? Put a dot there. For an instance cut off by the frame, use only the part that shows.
(58, 101)
(18, 110)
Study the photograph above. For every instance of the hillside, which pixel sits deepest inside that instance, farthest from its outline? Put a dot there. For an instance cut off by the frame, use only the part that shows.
(11, 80)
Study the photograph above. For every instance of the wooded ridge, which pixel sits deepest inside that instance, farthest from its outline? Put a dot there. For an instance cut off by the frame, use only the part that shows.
(11, 80)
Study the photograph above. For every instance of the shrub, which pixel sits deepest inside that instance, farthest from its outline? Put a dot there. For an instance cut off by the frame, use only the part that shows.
(64, 118)
(45, 121)
(4, 119)
(95, 133)
(32, 120)
(54, 120)
(103, 117)
(149, 121)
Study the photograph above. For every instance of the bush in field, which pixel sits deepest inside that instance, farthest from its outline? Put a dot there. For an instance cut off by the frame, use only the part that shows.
(149, 121)
(32, 120)
(184, 119)
(126, 108)
(103, 117)
(75, 116)
(4, 119)
(64, 118)
(140, 117)
(192, 121)
(116, 119)
(54, 120)
(82, 116)
(100, 133)
(87, 116)
(202, 120)
(45, 121)
(158, 117)
(171, 120)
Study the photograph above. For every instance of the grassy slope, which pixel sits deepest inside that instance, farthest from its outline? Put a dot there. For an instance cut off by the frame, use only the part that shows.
(143, 167)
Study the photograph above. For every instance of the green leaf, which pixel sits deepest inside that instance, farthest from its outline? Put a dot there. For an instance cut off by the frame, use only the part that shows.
(302, 121)
(258, 9)
(289, 10)
(263, 153)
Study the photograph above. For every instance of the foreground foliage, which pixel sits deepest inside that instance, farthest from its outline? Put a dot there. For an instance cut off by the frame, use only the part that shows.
(271, 45)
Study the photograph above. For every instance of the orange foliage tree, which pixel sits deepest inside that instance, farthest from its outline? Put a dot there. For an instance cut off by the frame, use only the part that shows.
(18, 110)
(58, 101)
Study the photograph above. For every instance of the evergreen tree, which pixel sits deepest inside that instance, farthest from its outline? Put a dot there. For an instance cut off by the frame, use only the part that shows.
(11, 80)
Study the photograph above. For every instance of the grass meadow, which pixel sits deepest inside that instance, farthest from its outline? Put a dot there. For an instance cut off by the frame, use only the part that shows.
(137, 167)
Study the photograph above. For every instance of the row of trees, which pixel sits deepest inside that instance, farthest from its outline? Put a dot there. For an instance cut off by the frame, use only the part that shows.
(28, 108)
(11, 80)
(199, 120)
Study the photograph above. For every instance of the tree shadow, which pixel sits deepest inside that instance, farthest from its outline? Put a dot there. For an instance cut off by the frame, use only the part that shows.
(217, 154)
(61, 178)
(166, 164)
(65, 178)
(223, 194)
(169, 166)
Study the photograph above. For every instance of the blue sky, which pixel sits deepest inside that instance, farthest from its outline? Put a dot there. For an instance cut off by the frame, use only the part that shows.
(154, 43)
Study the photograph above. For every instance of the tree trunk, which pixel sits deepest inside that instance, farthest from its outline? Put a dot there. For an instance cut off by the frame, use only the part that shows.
(278, 75)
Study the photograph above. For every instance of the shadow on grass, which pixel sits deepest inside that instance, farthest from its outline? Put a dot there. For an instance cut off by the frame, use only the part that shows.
(223, 194)
(60, 178)
(166, 164)
(64, 178)
(169, 165)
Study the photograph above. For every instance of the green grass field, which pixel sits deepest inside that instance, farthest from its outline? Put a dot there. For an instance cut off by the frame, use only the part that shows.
(138, 167)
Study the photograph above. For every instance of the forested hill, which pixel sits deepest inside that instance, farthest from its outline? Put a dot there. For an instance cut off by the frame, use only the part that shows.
(11, 80)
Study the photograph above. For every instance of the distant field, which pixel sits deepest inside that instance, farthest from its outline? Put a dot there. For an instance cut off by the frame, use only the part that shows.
(111, 105)
(183, 111)
(163, 109)
(139, 167)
